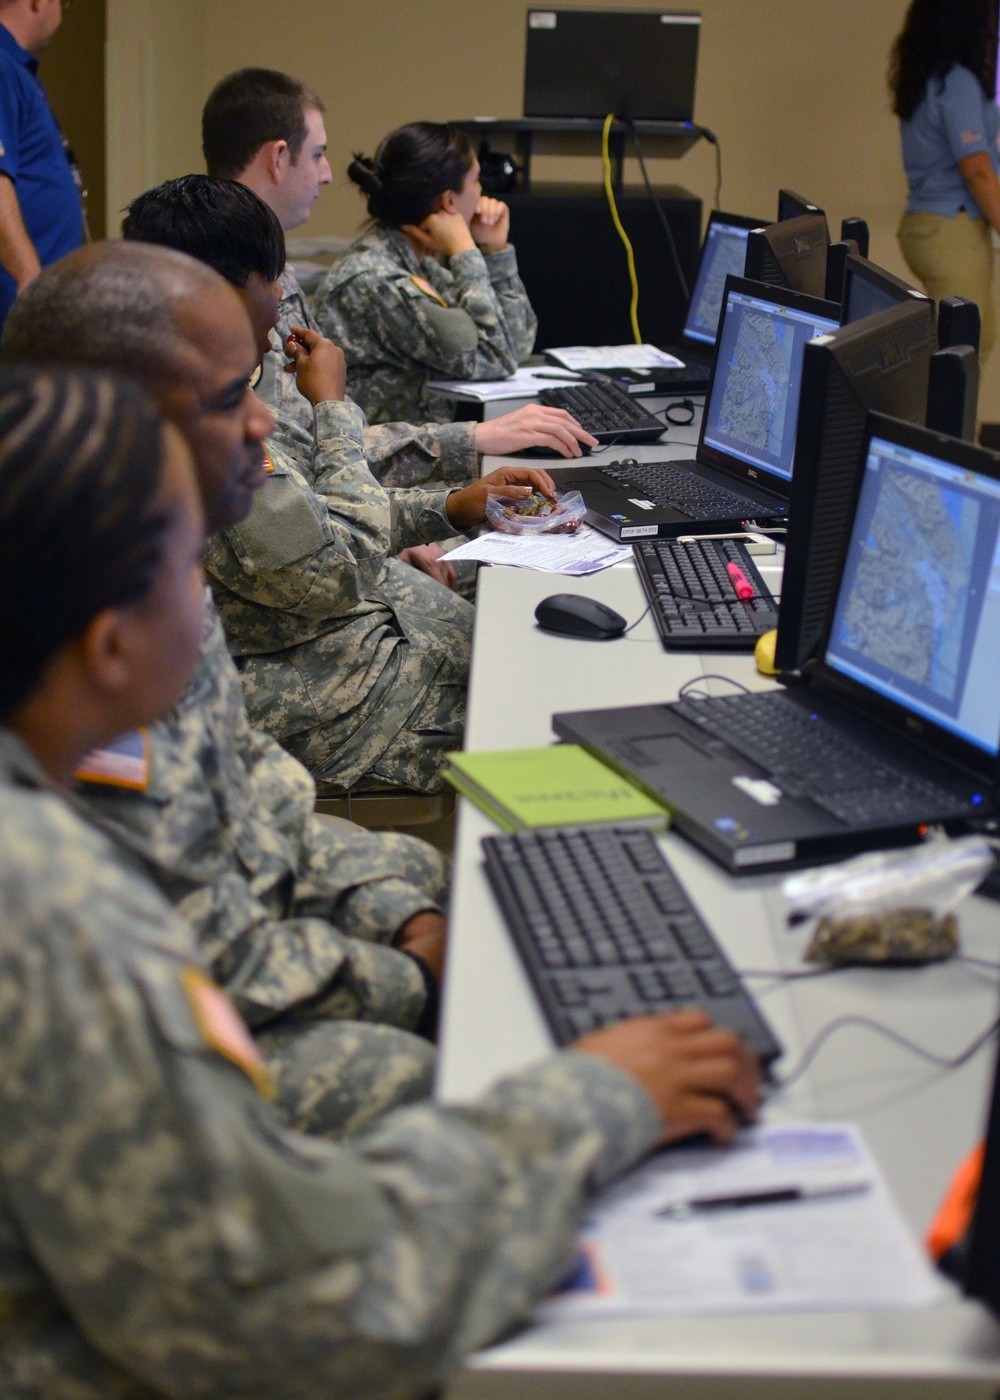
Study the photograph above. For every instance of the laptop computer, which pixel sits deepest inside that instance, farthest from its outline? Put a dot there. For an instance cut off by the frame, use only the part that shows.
(723, 254)
(742, 470)
(895, 725)
(639, 64)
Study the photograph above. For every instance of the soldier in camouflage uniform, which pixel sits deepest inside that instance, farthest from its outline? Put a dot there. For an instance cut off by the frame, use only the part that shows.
(430, 290)
(163, 1231)
(357, 665)
(251, 121)
(302, 922)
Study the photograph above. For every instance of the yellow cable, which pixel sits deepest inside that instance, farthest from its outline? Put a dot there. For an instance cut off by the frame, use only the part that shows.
(609, 191)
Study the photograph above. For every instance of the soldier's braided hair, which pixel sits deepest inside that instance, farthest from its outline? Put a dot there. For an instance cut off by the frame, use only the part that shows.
(80, 465)
(413, 167)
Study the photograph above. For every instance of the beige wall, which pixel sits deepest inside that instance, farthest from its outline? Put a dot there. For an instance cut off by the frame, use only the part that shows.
(795, 90)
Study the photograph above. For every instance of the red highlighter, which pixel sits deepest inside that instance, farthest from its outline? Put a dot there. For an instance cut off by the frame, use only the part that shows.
(742, 586)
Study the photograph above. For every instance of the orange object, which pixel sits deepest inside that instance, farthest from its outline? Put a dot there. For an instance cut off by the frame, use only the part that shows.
(951, 1224)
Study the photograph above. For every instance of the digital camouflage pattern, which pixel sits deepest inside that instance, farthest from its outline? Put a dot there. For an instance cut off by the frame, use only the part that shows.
(358, 666)
(226, 830)
(475, 322)
(165, 1233)
(398, 454)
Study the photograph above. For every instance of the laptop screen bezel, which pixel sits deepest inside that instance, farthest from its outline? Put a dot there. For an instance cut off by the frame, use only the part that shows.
(750, 474)
(706, 347)
(904, 723)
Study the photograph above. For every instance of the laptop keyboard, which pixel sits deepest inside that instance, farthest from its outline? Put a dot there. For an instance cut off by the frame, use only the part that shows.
(607, 411)
(807, 756)
(605, 931)
(673, 484)
(692, 597)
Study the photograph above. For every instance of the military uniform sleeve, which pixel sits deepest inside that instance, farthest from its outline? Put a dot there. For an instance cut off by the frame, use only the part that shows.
(522, 323)
(207, 1250)
(318, 534)
(419, 516)
(468, 339)
(402, 454)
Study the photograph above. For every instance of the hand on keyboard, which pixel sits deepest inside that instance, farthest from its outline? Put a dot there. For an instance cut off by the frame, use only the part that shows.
(536, 426)
(701, 1079)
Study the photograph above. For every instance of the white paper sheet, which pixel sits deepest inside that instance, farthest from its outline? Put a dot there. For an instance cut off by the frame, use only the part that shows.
(585, 552)
(844, 1252)
(522, 384)
(602, 357)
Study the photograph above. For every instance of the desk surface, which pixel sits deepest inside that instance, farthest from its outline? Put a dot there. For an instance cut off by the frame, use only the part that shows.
(918, 1120)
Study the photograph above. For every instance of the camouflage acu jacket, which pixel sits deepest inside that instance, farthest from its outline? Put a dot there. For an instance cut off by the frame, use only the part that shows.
(328, 633)
(221, 819)
(398, 454)
(402, 320)
(164, 1233)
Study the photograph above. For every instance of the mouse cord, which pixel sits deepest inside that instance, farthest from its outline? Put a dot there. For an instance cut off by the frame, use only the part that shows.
(628, 629)
(866, 1023)
(684, 692)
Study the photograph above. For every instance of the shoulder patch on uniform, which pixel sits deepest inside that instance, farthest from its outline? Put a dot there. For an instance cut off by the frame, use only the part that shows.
(224, 1028)
(268, 462)
(125, 763)
(426, 288)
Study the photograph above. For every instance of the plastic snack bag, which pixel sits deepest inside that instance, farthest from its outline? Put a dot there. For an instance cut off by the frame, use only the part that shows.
(891, 906)
(536, 514)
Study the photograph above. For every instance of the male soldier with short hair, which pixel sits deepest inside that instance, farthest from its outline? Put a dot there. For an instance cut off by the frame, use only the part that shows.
(266, 130)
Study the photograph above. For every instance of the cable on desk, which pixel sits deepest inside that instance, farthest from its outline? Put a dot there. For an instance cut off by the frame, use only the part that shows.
(866, 1023)
(660, 211)
(629, 628)
(684, 692)
(609, 191)
(682, 406)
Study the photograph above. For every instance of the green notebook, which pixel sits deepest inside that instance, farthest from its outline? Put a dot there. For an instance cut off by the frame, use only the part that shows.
(562, 785)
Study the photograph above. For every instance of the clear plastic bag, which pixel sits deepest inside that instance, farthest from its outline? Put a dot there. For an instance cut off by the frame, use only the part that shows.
(891, 906)
(536, 514)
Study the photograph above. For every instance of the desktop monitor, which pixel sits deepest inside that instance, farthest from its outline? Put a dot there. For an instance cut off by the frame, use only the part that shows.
(868, 289)
(793, 206)
(880, 364)
(638, 64)
(790, 254)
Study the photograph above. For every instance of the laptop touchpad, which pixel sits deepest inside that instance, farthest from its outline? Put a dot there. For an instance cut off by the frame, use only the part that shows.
(660, 750)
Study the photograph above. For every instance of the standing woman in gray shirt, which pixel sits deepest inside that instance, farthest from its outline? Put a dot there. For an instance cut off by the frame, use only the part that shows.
(942, 77)
(430, 290)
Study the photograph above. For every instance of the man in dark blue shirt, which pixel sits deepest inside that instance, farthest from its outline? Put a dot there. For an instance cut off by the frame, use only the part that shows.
(40, 213)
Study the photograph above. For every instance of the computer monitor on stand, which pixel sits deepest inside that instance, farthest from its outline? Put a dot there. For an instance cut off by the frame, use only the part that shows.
(880, 364)
(790, 254)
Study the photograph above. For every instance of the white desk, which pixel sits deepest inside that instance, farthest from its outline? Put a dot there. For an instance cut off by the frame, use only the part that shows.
(918, 1121)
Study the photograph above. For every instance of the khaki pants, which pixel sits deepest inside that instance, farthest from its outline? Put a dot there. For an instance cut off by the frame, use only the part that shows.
(953, 257)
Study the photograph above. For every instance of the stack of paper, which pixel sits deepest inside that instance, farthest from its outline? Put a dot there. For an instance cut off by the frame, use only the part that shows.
(522, 384)
(605, 357)
(584, 552)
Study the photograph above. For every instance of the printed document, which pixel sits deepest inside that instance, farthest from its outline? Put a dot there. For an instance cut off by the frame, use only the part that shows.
(585, 552)
(601, 357)
(788, 1218)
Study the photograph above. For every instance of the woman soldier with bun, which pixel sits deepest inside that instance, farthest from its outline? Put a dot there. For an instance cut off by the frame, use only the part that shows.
(430, 290)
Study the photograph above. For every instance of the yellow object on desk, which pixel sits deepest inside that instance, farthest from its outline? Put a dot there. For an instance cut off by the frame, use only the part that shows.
(763, 653)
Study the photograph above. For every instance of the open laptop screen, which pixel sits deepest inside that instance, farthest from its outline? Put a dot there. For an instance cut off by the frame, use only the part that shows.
(724, 253)
(917, 617)
(754, 403)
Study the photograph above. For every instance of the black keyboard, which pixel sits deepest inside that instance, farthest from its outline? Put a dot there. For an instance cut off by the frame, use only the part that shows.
(693, 601)
(805, 755)
(607, 411)
(673, 484)
(606, 931)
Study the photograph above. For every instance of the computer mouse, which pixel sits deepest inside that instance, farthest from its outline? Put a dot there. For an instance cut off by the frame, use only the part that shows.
(576, 616)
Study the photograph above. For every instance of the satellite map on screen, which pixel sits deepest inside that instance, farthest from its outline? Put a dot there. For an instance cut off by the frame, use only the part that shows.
(753, 408)
(910, 592)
